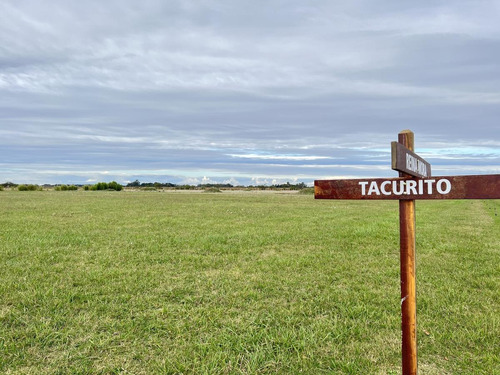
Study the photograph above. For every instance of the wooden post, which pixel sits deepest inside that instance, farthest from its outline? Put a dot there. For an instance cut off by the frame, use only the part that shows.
(408, 279)
(406, 189)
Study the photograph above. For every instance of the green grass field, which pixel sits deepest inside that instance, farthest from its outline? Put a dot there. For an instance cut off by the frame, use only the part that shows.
(241, 283)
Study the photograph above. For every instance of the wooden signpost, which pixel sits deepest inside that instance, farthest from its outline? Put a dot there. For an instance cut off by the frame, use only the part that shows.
(414, 182)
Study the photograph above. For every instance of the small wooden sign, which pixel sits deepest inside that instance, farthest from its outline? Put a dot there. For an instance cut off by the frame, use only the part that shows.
(405, 160)
(448, 187)
(415, 182)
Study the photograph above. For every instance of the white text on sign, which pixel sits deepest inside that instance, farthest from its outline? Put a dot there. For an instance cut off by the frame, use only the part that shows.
(416, 165)
(405, 187)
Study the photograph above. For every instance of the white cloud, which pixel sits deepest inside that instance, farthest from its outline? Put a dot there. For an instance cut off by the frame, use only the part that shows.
(279, 157)
(190, 181)
(233, 181)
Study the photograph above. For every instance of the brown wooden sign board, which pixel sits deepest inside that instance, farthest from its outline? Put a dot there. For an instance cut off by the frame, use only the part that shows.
(406, 161)
(449, 187)
(414, 183)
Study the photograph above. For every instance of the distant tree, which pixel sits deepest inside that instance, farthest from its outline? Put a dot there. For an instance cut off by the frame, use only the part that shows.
(289, 186)
(136, 183)
(156, 185)
(9, 184)
(217, 186)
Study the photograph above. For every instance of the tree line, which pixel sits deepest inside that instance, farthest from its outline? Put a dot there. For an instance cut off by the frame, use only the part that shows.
(113, 185)
(169, 185)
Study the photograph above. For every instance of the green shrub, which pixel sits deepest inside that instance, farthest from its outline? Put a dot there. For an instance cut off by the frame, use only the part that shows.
(1, 188)
(113, 185)
(29, 187)
(65, 187)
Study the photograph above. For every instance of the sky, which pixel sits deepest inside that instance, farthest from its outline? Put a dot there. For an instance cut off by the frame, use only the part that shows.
(245, 92)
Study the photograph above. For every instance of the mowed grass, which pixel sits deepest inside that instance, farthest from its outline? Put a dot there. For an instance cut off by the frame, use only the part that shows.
(241, 283)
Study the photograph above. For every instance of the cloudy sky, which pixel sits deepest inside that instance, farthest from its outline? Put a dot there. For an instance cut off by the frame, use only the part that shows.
(245, 92)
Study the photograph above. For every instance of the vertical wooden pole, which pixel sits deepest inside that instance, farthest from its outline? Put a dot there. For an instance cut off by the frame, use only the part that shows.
(408, 279)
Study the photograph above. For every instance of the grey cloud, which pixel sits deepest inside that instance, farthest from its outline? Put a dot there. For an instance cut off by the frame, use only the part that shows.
(176, 89)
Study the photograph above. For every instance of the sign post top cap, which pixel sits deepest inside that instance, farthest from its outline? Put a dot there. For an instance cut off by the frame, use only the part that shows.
(407, 138)
(406, 131)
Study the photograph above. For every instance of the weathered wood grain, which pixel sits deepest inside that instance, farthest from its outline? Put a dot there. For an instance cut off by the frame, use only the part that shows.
(460, 187)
